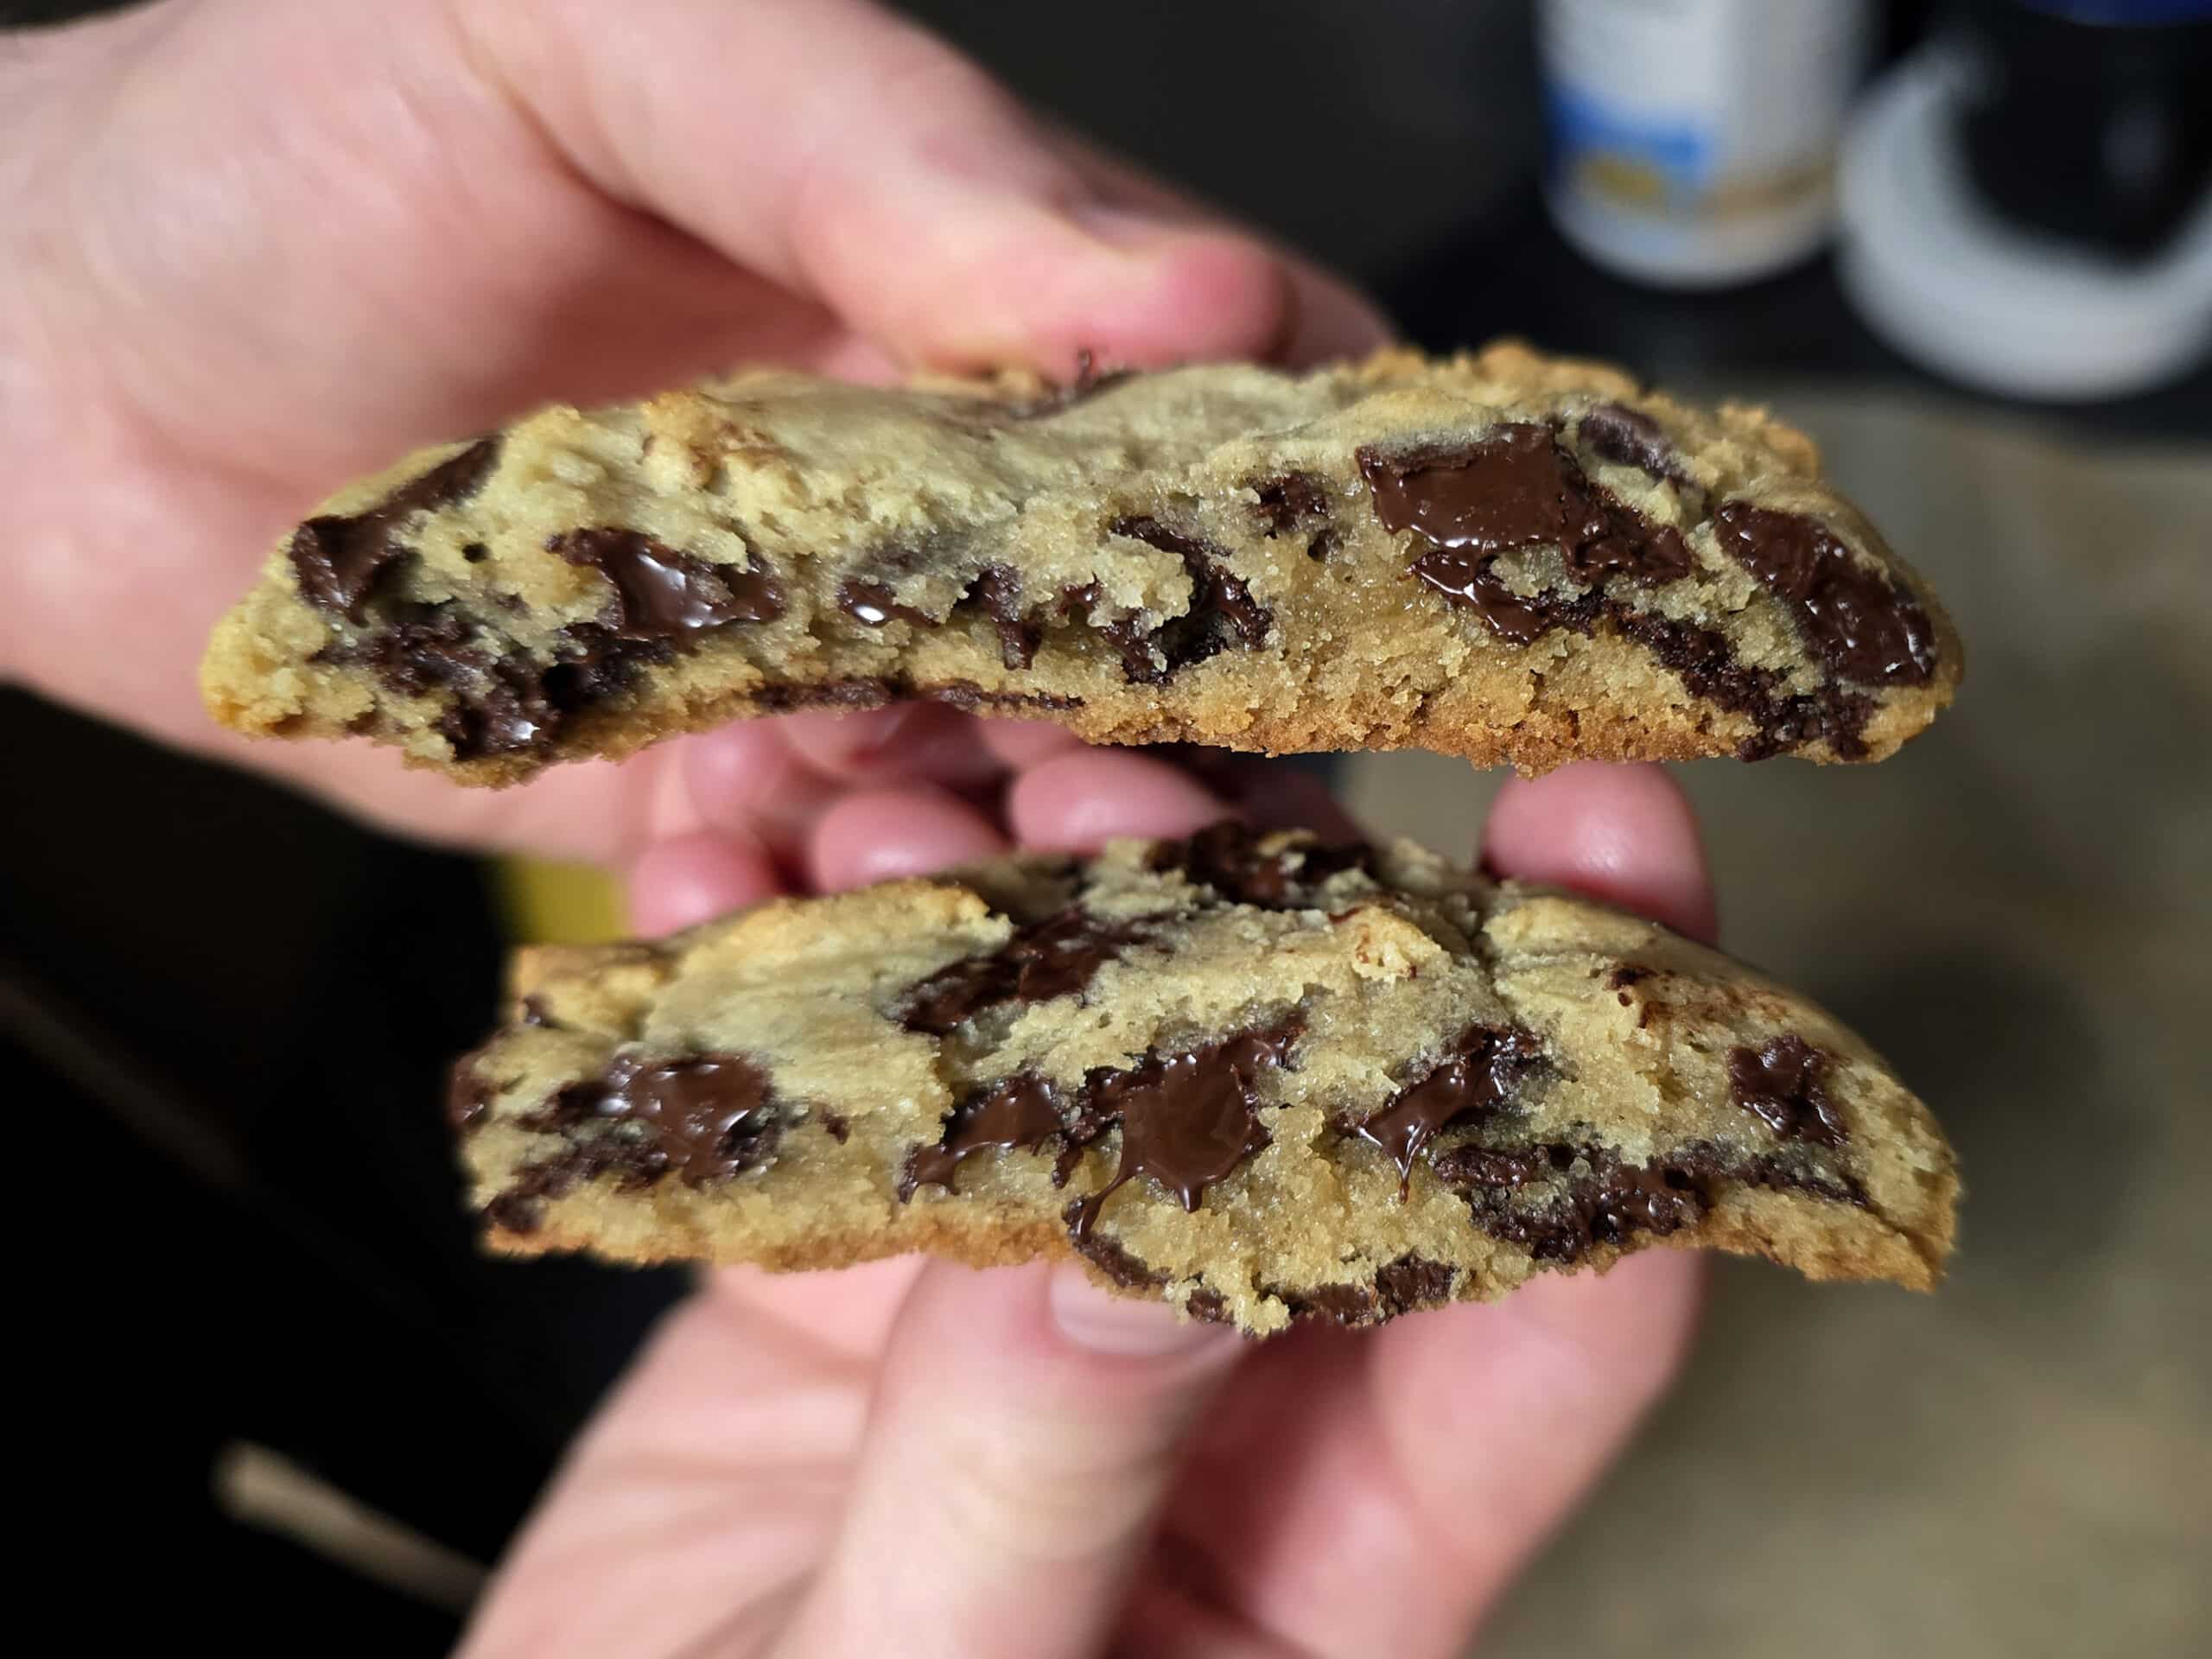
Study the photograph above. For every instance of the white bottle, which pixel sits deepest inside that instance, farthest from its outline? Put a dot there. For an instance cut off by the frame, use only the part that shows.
(1694, 142)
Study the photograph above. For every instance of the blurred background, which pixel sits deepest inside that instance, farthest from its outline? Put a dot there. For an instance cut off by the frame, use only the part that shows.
(1969, 247)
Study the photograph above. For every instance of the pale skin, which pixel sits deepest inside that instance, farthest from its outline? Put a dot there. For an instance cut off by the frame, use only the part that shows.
(256, 246)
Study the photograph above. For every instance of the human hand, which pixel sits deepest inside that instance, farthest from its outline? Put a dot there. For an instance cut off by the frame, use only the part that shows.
(916, 1459)
(254, 248)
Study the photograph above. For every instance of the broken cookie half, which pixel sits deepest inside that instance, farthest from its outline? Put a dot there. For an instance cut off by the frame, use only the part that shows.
(1502, 556)
(1258, 1077)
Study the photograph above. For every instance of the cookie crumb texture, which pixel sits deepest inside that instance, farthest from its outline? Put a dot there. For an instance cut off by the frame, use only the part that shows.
(1259, 1079)
(1502, 555)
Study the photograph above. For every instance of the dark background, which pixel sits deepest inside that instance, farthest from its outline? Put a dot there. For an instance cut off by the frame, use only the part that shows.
(244, 1014)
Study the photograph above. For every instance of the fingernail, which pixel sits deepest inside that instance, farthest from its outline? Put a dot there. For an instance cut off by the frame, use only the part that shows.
(1126, 1326)
(1132, 233)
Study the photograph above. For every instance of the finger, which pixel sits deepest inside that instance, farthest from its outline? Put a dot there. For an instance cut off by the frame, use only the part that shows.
(1433, 1457)
(746, 781)
(1020, 744)
(1331, 318)
(695, 878)
(943, 225)
(1025, 1428)
(1624, 834)
(921, 741)
(1075, 803)
(875, 835)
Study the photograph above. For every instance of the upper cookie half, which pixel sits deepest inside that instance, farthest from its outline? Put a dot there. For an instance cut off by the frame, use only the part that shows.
(1502, 555)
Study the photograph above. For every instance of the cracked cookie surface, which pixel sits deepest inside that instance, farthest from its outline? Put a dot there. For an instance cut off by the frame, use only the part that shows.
(1258, 1077)
(1502, 556)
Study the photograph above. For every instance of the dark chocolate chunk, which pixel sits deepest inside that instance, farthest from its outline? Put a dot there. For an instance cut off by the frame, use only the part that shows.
(1607, 1204)
(1107, 1256)
(1862, 625)
(633, 1161)
(1207, 1305)
(709, 1116)
(338, 561)
(469, 1095)
(1633, 438)
(870, 604)
(1053, 957)
(1020, 1112)
(1187, 1120)
(997, 590)
(1222, 612)
(1413, 1281)
(1706, 664)
(1518, 488)
(1780, 1085)
(836, 1126)
(660, 593)
(1291, 501)
(1628, 973)
(1470, 1167)
(1338, 1304)
(1227, 858)
(1477, 1078)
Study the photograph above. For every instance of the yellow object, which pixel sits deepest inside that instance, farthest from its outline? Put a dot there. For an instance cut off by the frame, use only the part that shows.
(542, 902)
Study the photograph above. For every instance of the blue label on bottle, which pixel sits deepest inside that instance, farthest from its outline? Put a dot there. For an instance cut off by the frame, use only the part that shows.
(1635, 161)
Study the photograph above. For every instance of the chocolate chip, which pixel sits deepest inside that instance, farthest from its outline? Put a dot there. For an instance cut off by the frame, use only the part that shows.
(1107, 1256)
(1607, 1205)
(1633, 438)
(535, 1013)
(870, 603)
(339, 560)
(1780, 1085)
(709, 1116)
(1018, 1113)
(474, 552)
(1413, 1281)
(1222, 612)
(660, 593)
(1186, 1119)
(1862, 625)
(1706, 664)
(1227, 858)
(836, 1126)
(1477, 1078)
(1628, 973)
(469, 1095)
(1339, 1304)
(1054, 958)
(997, 590)
(1206, 1305)
(1517, 489)
(1291, 501)
(1470, 1166)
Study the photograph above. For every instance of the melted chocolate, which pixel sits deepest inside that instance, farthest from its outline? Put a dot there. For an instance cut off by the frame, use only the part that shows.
(1706, 664)
(997, 590)
(1475, 1079)
(338, 561)
(1227, 858)
(1864, 627)
(1633, 438)
(1187, 1120)
(1054, 958)
(1019, 1113)
(1109, 1258)
(1780, 1085)
(708, 1116)
(870, 604)
(469, 1095)
(1409, 1282)
(1517, 489)
(1291, 501)
(660, 593)
(1222, 612)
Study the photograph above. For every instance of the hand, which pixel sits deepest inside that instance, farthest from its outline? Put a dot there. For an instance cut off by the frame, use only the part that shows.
(920, 1460)
(254, 248)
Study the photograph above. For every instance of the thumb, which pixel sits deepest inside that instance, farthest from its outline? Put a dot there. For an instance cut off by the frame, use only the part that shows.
(857, 160)
(1024, 1432)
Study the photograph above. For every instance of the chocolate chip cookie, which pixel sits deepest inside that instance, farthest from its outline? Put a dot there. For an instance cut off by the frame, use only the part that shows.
(1500, 556)
(1262, 1078)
